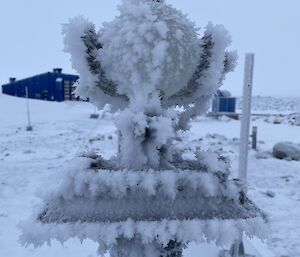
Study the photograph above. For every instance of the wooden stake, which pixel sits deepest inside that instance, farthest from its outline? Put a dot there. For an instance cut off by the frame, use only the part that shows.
(254, 138)
(29, 127)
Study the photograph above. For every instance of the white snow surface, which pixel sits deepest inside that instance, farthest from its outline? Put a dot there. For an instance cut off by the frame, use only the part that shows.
(31, 162)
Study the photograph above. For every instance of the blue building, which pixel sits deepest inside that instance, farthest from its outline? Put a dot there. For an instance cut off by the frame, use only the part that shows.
(51, 86)
(223, 102)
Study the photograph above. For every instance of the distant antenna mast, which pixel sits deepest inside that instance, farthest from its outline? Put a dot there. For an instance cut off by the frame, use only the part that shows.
(29, 127)
(245, 120)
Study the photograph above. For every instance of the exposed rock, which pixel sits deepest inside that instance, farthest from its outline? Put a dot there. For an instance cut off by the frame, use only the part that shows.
(287, 150)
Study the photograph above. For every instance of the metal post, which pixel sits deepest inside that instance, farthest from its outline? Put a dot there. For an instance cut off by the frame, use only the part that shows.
(237, 249)
(254, 137)
(29, 127)
(244, 139)
(245, 120)
(119, 143)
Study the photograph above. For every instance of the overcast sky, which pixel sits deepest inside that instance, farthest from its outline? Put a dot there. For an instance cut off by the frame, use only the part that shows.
(31, 40)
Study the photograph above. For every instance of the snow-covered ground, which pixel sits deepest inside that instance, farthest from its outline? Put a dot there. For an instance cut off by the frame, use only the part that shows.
(32, 161)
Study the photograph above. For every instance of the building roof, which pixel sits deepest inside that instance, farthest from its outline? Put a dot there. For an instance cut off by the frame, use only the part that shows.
(56, 71)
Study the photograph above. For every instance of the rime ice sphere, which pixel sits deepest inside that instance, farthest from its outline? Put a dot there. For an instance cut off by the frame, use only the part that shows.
(149, 46)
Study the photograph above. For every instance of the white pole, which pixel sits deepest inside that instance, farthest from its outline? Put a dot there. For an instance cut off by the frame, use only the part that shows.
(28, 112)
(237, 249)
(245, 120)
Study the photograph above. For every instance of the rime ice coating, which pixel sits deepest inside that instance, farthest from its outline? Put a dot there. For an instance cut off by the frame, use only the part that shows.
(148, 200)
(153, 207)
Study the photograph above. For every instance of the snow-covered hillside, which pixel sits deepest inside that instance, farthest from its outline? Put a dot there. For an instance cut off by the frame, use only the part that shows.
(31, 162)
(273, 104)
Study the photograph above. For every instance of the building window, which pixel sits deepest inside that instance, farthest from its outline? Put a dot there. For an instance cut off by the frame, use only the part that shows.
(73, 94)
(44, 94)
(67, 90)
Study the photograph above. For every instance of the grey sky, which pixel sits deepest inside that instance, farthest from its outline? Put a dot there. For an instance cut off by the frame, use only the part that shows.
(31, 40)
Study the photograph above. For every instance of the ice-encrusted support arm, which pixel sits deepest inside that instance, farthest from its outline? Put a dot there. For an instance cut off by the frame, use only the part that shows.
(194, 83)
(92, 44)
(214, 64)
(83, 44)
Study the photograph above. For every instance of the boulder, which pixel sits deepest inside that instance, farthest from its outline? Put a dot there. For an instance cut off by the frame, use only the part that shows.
(287, 150)
(297, 120)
